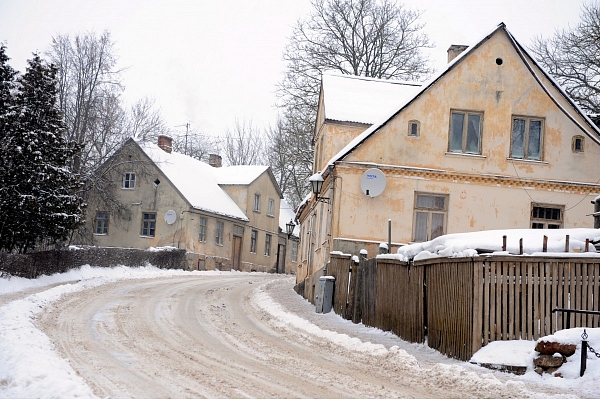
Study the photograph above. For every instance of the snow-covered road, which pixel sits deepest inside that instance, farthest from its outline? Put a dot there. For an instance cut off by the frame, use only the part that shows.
(229, 335)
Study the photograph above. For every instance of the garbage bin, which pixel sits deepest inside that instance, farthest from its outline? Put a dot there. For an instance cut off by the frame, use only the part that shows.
(324, 297)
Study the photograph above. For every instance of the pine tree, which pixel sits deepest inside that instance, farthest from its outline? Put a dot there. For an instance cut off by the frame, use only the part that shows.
(7, 85)
(39, 189)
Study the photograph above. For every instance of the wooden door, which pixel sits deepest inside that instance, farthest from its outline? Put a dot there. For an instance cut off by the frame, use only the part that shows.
(237, 253)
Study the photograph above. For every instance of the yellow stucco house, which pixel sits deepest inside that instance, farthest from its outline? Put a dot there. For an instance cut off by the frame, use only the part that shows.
(224, 217)
(490, 142)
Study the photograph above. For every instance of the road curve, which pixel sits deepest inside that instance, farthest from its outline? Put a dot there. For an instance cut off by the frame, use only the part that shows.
(205, 336)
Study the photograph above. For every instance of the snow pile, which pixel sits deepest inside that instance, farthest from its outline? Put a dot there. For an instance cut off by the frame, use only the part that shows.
(466, 244)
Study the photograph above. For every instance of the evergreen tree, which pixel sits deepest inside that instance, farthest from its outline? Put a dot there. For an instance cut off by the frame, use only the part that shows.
(7, 84)
(38, 197)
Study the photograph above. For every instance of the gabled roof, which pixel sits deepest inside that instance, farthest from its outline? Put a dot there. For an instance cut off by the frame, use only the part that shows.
(195, 181)
(349, 98)
(592, 130)
(243, 175)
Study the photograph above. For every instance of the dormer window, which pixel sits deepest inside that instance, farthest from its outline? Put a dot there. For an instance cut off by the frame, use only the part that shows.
(577, 145)
(414, 128)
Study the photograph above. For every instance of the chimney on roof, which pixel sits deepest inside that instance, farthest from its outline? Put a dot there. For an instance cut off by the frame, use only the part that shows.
(215, 160)
(454, 51)
(165, 142)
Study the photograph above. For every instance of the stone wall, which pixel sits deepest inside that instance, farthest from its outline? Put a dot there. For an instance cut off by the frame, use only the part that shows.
(50, 262)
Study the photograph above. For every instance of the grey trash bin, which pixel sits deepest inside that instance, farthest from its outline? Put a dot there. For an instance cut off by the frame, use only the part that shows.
(324, 297)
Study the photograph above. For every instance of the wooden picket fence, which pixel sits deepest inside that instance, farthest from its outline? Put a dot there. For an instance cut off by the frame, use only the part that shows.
(462, 304)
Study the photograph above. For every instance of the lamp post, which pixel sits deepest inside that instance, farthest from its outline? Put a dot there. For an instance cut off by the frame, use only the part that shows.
(316, 182)
(289, 228)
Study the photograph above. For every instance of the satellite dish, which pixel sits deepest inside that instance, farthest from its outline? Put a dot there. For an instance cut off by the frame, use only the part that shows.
(372, 183)
(170, 217)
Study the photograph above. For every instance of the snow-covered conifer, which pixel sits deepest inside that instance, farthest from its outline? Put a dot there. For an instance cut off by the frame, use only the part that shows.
(40, 199)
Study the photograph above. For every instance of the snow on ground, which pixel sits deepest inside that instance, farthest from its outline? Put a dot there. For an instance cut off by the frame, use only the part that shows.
(30, 367)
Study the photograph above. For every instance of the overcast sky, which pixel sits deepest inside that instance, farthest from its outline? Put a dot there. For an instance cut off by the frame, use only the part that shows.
(209, 62)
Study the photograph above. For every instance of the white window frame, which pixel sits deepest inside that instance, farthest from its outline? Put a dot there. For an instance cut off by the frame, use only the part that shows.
(129, 181)
(148, 224)
(101, 224)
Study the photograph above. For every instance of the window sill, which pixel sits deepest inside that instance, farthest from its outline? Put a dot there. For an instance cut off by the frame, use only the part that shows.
(124, 188)
(147, 237)
(524, 160)
(451, 154)
(100, 234)
(270, 215)
(201, 241)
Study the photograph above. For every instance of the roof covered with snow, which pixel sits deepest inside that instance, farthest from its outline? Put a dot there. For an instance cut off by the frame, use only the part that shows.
(195, 180)
(238, 174)
(349, 98)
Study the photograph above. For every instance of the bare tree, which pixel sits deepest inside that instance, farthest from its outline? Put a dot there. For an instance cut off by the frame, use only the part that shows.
(371, 38)
(89, 89)
(244, 144)
(572, 57)
(145, 121)
(195, 144)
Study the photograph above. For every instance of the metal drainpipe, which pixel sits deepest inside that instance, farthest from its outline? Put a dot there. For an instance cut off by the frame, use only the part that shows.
(596, 210)
(329, 218)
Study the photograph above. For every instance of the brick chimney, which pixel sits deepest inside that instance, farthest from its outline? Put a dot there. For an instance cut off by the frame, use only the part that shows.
(455, 50)
(165, 143)
(215, 160)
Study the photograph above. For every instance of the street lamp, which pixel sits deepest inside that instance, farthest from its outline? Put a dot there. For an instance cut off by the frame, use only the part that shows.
(316, 181)
(289, 228)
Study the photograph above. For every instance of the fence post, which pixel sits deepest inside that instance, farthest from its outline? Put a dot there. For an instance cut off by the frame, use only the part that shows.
(503, 242)
(545, 245)
(567, 248)
(584, 346)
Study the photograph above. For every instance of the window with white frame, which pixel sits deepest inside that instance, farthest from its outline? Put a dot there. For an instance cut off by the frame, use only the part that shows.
(430, 216)
(253, 237)
(148, 224)
(129, 180)
(267, 244)
(527, 138)
(256, 203)
(101, 223)
(465, 132)
(545, 216)
(270, 207)
(219, 233)
(202, 235)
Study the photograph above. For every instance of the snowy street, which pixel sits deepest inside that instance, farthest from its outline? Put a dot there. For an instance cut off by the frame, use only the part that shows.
(148, 333)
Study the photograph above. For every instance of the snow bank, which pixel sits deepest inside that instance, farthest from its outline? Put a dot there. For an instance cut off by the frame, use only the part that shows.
(466, 244)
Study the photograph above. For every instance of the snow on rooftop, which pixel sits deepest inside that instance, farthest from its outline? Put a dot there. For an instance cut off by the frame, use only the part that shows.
(195, 180)
(238, 174)
(364, 100)
(466, 244)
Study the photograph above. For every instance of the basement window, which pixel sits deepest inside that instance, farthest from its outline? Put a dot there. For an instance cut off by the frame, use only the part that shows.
(546, 216)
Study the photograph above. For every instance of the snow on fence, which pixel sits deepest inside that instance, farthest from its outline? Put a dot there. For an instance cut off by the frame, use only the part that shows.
(462, 304)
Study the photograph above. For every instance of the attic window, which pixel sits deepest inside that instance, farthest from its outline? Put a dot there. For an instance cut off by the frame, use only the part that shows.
(414, 128)
(499, 61)
(577, 144)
